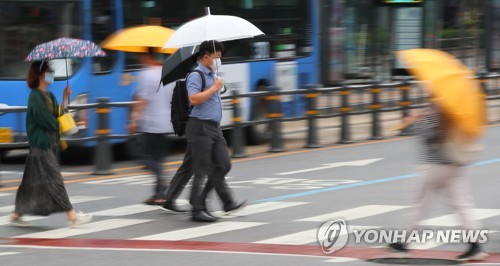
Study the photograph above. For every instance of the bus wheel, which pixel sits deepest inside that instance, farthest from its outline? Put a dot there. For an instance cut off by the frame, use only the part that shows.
(259, 134)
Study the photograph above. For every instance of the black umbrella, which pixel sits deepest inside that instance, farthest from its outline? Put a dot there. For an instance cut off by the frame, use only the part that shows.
(177, 65)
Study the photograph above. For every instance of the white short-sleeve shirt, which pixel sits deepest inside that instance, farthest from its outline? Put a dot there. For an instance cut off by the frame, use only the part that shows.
(155, 117)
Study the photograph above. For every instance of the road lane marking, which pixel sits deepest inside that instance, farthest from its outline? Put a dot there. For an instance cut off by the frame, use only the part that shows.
(307, 236)
(328, 189)
(355, 213)
(5, 194)
(333, 165)
(86, 229)
(453, 220)
(261, 207)
(201, 231)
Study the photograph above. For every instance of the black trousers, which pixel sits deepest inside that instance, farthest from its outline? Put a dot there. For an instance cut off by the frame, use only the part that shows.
(209, 154)
(154, 147)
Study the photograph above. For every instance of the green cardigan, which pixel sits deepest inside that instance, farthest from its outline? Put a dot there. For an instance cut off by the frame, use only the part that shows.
(40, 121)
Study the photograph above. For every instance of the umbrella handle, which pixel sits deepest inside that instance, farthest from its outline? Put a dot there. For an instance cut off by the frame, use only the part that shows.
(67, 77)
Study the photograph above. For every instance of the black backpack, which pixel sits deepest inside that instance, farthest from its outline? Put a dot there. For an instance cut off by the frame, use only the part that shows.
(180, 104)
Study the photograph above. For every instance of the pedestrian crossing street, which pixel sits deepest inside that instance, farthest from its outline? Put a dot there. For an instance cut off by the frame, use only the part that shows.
(123, 217)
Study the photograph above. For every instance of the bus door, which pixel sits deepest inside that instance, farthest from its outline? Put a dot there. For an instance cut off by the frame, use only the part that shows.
(109, 78)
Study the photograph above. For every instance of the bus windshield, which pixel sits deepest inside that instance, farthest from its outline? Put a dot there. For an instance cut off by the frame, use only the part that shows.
(24, 24)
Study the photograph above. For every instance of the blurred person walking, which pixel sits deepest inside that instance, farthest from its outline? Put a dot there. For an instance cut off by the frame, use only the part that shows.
(206, 143)
(444, 158)
(42, 190)
(150, 116)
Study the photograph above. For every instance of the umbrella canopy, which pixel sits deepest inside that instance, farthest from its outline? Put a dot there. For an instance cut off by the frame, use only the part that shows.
(212, 27)
(178, 64)
(63, 48)
(451, 86)
(137, 39)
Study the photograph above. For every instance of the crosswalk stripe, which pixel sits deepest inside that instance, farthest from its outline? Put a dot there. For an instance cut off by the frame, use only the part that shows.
(5, 220)
(305, 237)
(300, 238)
(126, 210)
(4, 194)
(201, 231)
(9, 253)
(73, 200)
(341, 260)
(86, 229)
(427, 245)
(82, 199)
(262, 207)
(136, 179)
(453, 220)
(355, 213)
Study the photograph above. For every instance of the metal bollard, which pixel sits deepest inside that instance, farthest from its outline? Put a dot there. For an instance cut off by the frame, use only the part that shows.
(312, 133)
(1, 183)
(275, 114)
(405, 106)
(483, 81)
(376, 105)
(344, 109)
(238, 137)
(102, 151)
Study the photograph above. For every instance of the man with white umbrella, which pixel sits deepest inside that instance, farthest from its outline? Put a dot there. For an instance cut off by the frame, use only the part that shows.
(204, 136)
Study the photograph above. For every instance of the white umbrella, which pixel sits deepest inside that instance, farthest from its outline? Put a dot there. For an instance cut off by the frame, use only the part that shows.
(212, 27)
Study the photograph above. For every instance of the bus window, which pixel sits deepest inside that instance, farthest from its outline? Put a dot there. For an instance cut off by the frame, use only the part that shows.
(169, 13)
(103, 24)
(285, 23)
(24, 24)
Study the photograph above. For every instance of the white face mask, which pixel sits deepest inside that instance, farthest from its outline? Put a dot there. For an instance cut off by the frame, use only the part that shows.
(49, 77)
(216, 63)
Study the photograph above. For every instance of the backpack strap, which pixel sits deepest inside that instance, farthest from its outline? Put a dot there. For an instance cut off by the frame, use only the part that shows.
(203, 82)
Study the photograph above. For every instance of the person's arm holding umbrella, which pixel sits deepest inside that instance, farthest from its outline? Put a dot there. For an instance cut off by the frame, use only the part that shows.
(66, 93)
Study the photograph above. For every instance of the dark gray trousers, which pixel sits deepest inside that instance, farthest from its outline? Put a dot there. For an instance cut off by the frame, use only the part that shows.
(154, 147)
(210, 159)
(182, 177)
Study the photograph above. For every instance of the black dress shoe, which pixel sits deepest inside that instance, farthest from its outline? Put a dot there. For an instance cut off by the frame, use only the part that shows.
(235, 207)
(201, 216)
(172, 207)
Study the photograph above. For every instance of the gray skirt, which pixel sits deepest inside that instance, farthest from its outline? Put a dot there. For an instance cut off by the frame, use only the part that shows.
(42, 190)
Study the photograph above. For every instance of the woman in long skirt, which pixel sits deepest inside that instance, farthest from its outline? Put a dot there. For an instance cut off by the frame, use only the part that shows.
(42, 190)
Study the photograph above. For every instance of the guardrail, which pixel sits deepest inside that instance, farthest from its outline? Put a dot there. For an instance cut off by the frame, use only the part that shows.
(343, 101)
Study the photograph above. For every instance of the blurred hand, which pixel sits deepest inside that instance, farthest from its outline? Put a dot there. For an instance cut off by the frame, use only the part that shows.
(67, 92)
(219, 84)
(132, 127)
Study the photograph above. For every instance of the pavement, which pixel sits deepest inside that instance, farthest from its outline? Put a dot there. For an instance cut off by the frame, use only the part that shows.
(369, 184)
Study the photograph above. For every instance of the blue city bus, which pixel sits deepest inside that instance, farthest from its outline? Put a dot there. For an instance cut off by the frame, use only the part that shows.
(287, 56)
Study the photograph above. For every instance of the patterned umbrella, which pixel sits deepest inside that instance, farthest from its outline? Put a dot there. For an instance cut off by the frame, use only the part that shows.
(63, 48)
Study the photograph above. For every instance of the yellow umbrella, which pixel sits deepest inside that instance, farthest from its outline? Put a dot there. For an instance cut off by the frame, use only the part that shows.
(451, 86)
(137, 39)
